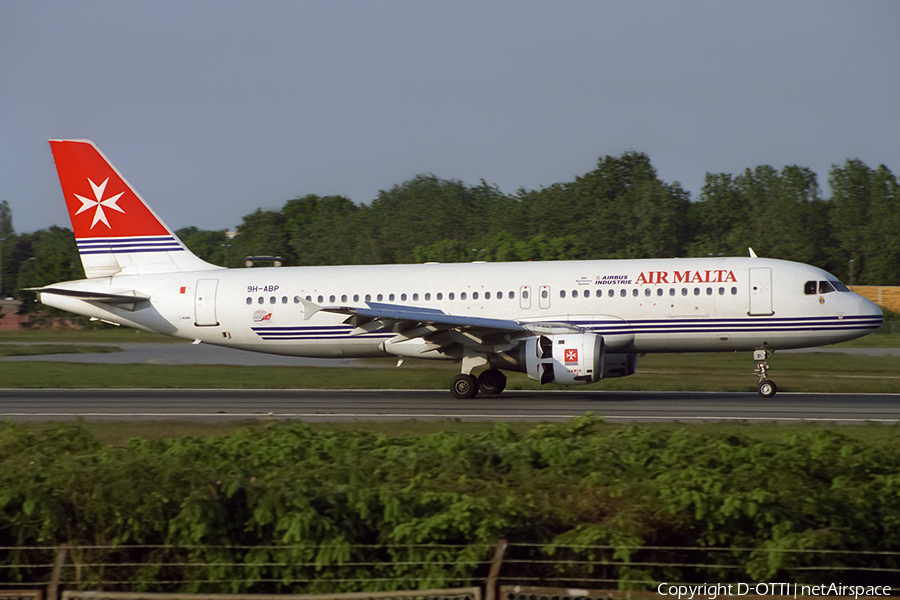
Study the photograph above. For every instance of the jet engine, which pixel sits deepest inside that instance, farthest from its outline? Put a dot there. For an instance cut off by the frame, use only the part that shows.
(570, 358)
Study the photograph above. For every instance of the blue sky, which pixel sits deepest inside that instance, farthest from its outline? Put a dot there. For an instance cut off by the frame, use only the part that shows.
(212, 109)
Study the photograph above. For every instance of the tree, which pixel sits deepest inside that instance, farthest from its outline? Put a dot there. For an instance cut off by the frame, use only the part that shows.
(208, 245)
(323, 230)
(7, 239)
(262, 233)
(44, 257)
(850, 199)
(425, 209)
(882, 240)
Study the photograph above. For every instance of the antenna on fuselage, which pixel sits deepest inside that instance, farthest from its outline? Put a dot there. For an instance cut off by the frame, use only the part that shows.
(753, 254)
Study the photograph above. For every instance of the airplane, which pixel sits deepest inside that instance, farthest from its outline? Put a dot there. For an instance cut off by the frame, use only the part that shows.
(568, 322)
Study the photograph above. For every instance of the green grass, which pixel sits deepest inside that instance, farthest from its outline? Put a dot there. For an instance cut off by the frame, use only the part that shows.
(10, 349)
(94, 335)
(875, 340)
(813, 372)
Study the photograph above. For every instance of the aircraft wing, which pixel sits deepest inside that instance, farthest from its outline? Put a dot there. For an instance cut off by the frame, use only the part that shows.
(416, 314)
(441, 331)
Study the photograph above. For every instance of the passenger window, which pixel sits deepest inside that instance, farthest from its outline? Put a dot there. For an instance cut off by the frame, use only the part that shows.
(321, 299)
(721, 291)
(380, 297)
(487, 295)
(249, 300)
(261, 300)
(403, 297)
(634, 292)
(296, 299)
(462, 295)
(368, 297)
(809, 288)
(356, 297)
(415, 297)
(612, 293)
(709, 291)
(544, 294)
(284, 299)
(684, 291)
(427, 296)
(599, 293)
(272, 300)
(659, 292)
(309, 298)
(647, 292)
(574, 293)
(734, 291)
(696, 291)
(623, 292)
(451, 296)
(331, 299)
(825, 287)
(562, 293)
(474, 296)
(440, 296)
(671, 291)
(512, 295)
(499, 295)
(390, 297)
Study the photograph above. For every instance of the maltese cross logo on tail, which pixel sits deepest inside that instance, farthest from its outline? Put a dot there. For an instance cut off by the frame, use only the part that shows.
(98, 203)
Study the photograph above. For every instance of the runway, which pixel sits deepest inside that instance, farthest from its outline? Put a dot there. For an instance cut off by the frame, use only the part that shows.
(399, 405)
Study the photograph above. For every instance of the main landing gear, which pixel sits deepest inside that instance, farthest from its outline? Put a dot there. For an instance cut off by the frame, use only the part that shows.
(766, 388)
(490, 382)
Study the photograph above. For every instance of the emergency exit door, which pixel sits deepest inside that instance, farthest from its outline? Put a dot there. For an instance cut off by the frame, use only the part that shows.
(205, 303)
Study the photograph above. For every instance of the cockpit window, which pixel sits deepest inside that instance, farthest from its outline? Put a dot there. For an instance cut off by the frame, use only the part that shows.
(811, 288)
(825, 287)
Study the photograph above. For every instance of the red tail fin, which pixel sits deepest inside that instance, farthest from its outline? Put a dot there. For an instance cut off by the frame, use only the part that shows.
(117, 233)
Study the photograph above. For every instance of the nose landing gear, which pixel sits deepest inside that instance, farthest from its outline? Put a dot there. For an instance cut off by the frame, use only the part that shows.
(766, 388)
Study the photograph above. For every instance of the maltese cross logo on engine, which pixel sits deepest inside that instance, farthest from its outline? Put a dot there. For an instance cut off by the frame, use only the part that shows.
(98, 203)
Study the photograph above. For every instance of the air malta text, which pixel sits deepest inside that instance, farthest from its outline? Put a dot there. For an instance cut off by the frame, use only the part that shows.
(715, 276)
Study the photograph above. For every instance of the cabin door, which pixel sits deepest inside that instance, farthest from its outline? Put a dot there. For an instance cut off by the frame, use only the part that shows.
(761, 291)
(205, 303)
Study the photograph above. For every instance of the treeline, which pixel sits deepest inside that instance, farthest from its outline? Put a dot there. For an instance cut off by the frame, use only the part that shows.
(621, 209)
(290, 507)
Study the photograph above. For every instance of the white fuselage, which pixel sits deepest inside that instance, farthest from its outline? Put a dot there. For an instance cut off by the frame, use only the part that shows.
(638, 306)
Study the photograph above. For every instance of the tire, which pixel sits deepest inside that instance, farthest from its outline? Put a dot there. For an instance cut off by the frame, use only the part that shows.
(491, 382)
(464, 387)
(767, 389)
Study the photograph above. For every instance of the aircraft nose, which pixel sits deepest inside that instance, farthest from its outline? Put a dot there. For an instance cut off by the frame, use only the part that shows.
(867, 308)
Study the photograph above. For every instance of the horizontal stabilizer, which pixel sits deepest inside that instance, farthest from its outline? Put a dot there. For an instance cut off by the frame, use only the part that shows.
(127, 297)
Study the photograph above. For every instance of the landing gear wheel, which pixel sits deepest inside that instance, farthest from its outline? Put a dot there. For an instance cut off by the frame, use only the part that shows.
(767, 388)
(464, 386)
(491, 382)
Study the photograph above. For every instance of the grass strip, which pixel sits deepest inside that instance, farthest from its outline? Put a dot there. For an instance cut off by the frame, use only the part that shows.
(814, 372)
(40, 349)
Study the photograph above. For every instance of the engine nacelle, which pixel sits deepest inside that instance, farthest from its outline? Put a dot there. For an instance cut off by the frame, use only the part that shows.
(619, 365)
(569, 359)
(565, 358)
